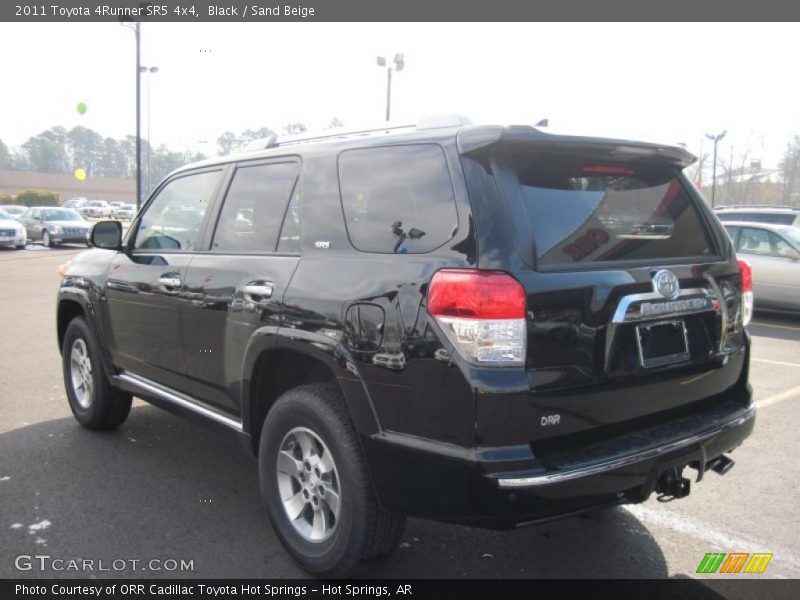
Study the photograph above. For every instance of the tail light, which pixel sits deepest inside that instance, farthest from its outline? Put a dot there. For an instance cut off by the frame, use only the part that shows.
(482, 313)
(746, 272)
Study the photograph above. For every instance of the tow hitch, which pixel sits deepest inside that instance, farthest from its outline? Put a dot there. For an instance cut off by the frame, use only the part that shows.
(672, 485)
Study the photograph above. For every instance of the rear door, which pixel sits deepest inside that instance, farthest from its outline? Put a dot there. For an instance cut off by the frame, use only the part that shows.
(236, 287)
(144, 283)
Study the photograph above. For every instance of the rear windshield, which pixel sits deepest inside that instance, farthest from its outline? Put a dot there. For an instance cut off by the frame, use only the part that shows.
(585, 210)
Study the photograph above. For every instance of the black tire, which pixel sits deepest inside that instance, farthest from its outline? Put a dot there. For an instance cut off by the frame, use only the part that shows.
(107, 407)
(46, 240)
(365, 531)
(20, 246)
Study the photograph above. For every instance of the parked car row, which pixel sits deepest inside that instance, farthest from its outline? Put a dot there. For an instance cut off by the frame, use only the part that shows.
(100, 209)
(52, 225)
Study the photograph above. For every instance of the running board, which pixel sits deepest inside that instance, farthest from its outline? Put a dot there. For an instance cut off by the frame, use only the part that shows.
(178, 399)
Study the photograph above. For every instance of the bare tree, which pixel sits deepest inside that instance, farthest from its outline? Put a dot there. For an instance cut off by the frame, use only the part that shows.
(790, 168)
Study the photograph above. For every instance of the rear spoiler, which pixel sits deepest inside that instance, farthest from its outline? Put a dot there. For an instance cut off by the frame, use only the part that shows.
(477, 139)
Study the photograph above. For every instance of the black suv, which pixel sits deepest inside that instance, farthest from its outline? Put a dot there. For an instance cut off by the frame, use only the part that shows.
(477, 324)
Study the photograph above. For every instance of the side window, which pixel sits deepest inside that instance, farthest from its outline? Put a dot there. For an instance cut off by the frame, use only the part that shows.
(754, 241)
(761, 241)
(172, 220)
(397, 199)
(781, 247)
(254, 208)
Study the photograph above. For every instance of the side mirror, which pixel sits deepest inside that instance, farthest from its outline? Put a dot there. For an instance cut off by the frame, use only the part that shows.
(107, 235)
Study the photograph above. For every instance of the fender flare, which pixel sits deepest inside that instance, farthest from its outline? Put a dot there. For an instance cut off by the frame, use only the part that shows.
(82, 298)
(325, 349)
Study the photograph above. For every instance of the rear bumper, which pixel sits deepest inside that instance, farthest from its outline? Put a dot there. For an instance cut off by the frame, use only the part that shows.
(508, 486)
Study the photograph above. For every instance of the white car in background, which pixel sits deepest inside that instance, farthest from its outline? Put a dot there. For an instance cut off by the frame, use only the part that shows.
(12, 233)
(124, 212)
(75, 202)
(96, 209)
(14, 211)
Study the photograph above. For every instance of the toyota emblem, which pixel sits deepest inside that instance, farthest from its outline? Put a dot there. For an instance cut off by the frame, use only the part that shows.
(666, 283)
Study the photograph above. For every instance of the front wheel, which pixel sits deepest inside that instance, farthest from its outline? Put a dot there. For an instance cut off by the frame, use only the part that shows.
(48, 243)
(317, 489)
(94, 402)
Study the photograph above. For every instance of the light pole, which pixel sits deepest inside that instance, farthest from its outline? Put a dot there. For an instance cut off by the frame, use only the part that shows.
(149, 71)
(716, 139)
(399, 63)
(136, 31)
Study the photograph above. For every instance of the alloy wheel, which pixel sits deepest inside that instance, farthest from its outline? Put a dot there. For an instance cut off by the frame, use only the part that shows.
(81, 371)
(308, 483)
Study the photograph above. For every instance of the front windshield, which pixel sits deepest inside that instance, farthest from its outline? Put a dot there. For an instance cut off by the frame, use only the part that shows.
(61, 215)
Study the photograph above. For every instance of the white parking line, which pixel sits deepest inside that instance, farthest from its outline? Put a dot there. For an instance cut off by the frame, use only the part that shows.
(776, 362)
(727, 541)
(779, 397)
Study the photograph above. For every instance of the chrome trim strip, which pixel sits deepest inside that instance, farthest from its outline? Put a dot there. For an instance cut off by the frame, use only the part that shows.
(621, 314)
(551, 478)
(170, 396)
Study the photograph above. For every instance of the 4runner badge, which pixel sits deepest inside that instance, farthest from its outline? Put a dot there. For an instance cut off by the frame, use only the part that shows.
(666, 283)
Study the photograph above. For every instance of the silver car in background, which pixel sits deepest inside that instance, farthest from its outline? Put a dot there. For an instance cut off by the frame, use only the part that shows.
(55, 225)
(774, 253)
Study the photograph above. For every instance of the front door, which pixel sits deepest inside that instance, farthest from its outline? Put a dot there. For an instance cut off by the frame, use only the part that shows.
(145, 282)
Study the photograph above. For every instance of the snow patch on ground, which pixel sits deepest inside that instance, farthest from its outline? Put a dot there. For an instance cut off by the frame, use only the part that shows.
(39, 526)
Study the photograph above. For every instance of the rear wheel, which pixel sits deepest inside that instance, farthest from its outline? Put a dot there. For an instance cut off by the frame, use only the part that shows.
(20, 246)
(95, 403)
(315, 482)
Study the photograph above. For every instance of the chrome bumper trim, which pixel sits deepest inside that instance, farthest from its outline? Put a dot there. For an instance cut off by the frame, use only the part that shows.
(559, 477)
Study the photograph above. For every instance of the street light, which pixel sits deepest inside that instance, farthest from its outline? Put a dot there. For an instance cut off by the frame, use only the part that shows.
(124, 21)
(149, 71)
(399, 63)
(716, 139)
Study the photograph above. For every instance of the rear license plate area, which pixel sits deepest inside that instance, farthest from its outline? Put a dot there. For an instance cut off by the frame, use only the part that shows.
(662, 343)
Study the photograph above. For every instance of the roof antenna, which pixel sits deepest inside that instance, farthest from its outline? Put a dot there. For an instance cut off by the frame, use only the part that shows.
(543, 123)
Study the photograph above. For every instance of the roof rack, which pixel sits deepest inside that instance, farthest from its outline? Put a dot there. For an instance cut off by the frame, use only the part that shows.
(432, 122)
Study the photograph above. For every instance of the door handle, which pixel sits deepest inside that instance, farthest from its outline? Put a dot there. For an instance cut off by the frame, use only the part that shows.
(258, 291)
(169, 281)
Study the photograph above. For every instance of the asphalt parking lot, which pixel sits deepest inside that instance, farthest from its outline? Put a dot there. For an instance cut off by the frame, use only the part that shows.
(163, 488)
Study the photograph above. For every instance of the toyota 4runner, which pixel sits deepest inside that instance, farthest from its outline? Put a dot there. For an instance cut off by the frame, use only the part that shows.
(477, 324)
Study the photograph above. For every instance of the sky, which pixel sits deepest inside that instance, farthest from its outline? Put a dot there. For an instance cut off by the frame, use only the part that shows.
(669, 82)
